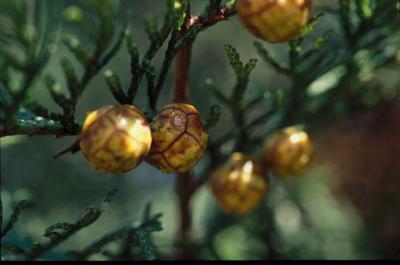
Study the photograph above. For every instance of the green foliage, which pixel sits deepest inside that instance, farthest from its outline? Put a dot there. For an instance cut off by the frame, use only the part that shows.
(235, 101)
(29, 123)
(36, 39)
(92, 60)
(368, 41)
(213, 116)
(141, 231)
(93, 23)
(307, 66)
(22, 205)
(59, 232)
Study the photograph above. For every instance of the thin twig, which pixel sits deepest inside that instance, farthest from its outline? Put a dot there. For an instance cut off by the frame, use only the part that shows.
(72, 148)
(14, 217)
(89, 216)
(224, 13)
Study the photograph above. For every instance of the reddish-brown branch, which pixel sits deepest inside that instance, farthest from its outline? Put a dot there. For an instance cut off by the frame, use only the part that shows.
(183, 187)
(182, 68)
(186, 184)
(183, 57)
(185, 190)
(224, 13)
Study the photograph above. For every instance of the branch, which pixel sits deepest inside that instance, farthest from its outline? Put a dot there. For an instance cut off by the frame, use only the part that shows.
(181, 90)
(17, 250)
(37, 54)
(178, 41)
(89, 216)
(56, 130)
(28, 123)
(185, 189)
(22, 205)
(222, 14)
(141, 231)
(72, 148)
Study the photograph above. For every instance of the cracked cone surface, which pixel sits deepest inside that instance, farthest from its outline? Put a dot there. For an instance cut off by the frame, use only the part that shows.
(179, 140)
(274, 20)
(115, 139)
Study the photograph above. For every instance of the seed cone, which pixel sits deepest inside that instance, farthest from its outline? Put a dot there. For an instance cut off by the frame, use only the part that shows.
(239, 185)
(115, 139)
(272, 20)
(179, 140)
(288, 152)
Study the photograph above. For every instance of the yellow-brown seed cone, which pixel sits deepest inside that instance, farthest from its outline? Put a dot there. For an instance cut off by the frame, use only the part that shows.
(115, 139)
(274, 20)
(179, 140)
(288, 152)
(239, 185)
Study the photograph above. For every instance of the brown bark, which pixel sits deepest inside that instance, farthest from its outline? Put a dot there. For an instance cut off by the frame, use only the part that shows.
(182, 68)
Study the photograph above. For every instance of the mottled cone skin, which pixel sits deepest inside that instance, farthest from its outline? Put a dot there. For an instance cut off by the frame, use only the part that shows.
(115, 139)
(239, 185)
(179, 139)
(288, 152)
(274, 20)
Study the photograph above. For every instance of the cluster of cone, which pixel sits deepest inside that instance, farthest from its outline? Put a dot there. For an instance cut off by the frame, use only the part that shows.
(117, 138)
(241, 184)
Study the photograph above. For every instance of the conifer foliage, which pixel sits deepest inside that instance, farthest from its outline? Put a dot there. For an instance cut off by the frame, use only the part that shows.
(94, 31)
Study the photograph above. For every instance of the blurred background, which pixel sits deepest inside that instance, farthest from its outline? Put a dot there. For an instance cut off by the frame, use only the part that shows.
(346, 206)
